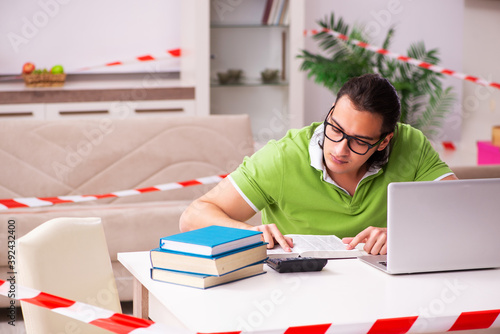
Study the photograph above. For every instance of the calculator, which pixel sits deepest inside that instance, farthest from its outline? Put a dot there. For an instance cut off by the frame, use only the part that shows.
(296, 264)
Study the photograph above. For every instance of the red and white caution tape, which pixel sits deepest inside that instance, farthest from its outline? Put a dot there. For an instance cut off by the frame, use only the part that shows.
(409, 60)
(120, 323)
(109, 320)
(174, 53)
(31, 202)
(414, 324)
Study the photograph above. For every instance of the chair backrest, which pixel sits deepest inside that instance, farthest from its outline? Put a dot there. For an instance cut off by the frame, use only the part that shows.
(67, 257)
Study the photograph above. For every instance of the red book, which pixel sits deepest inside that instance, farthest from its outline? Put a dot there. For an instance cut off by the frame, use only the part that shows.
(267, 10)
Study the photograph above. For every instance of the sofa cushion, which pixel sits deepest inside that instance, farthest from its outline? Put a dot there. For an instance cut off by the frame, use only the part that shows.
(96, 156)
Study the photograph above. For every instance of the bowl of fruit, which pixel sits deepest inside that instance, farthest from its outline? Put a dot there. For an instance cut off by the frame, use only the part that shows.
(35, 77)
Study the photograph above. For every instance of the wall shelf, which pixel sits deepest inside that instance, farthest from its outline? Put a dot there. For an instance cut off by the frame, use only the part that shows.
(259, 26)
(251, 84)
(239, 41)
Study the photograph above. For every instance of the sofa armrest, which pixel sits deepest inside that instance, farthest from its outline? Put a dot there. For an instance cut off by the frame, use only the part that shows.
(477, 172)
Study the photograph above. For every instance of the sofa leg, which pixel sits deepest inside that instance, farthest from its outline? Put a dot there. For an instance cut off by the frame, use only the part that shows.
(140, 300)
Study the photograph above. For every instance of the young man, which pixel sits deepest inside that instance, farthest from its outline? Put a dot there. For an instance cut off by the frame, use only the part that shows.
(329, 177)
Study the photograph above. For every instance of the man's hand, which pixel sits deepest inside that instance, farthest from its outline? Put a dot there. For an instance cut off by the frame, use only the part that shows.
(375, 239)
(272, 235)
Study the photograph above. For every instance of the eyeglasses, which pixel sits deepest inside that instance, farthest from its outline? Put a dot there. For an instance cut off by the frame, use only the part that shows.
(355, 144)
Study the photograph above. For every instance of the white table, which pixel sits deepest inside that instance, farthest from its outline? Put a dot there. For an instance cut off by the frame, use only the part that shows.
(346, 294)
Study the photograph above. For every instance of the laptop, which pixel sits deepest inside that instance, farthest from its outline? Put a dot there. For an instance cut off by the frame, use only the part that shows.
(441, 226)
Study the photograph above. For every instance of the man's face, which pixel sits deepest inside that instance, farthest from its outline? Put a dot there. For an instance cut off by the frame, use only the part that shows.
(366, 126)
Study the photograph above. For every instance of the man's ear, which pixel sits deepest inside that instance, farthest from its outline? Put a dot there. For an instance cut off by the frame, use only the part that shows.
(385, 142)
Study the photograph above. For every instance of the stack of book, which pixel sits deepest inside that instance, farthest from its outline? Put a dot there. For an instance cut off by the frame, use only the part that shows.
(276, 12)
(208, 256)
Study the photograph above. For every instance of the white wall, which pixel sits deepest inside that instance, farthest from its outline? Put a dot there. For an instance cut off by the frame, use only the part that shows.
(438, 23)
(481, 105)
(80, 34)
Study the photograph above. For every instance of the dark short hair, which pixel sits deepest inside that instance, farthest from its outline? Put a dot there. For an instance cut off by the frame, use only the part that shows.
(375, 94)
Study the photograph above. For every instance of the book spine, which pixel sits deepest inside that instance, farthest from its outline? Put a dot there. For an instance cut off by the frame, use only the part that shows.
(272, 14)
(284, 13)
(279, 12)
(286, 20)
(267, 10)
(208, 274)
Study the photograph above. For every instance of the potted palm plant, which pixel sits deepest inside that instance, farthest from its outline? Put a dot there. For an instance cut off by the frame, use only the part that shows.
(424, 101)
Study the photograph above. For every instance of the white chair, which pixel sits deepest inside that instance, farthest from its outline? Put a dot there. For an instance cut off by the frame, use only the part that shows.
(67, 257)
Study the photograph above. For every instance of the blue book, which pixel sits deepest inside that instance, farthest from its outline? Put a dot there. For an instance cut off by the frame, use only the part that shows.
(210, 265)
(211, 240)
(205, 281)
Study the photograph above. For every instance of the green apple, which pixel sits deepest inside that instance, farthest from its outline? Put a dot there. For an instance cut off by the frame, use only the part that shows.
(57, 69)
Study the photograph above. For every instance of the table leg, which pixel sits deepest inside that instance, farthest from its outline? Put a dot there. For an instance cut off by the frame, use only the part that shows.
(140, 300)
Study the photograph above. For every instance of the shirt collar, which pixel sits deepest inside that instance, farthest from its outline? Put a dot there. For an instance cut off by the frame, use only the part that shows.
(316, 156)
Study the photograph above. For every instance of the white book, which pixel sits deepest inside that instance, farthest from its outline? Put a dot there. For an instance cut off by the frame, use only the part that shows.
(274, 12)
(279, 12)
(319, 246)
(286, 14)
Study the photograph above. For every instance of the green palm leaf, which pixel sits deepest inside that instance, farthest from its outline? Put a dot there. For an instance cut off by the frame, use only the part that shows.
(433, 116)
(424, 102)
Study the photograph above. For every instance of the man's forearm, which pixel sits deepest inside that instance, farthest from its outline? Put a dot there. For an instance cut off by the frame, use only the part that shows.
(200, 214)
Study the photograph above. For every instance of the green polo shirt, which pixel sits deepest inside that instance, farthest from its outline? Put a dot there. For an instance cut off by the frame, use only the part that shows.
(287, 180)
